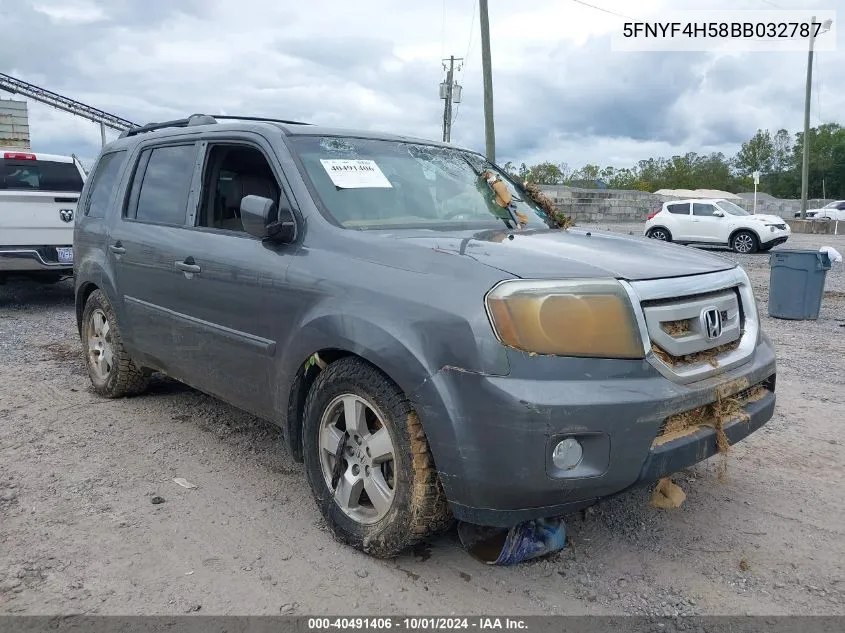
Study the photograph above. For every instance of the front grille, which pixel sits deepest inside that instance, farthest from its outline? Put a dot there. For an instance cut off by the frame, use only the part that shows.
(683, 327)
(671, 324)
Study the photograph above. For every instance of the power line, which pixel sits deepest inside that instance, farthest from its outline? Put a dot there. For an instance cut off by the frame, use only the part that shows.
(592, 6)
(772, 4)
(471, 31)
(443, 32)
(466, 57)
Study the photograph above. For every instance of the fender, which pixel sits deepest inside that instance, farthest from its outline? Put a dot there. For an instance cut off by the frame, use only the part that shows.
(96, 272)
(388, 346)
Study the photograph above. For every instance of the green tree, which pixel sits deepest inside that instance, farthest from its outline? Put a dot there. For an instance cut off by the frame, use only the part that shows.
(545, 174)
(756, 154)
(782, 154)
(825, 168)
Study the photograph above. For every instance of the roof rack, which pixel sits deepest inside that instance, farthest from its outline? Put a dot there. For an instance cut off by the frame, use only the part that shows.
(200, 119)
(194, 119)
(257, 118)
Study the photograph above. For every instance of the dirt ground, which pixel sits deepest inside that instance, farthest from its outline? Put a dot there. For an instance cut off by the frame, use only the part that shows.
(79, 533)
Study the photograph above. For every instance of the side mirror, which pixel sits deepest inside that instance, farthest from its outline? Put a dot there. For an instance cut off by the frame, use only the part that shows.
(718, 214)
(263, 219)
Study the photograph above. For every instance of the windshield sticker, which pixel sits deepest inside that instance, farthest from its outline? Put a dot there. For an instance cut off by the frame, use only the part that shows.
(355, 174)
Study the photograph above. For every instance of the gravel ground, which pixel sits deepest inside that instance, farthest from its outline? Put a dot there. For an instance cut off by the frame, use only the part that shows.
(78, 531)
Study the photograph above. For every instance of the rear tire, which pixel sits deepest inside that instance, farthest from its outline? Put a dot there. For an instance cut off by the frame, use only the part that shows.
(745, 243)
(388, 495)
(659, 233)
(113, 373)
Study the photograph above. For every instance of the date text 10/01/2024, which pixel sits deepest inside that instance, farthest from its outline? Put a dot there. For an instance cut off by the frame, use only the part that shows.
(416, 623)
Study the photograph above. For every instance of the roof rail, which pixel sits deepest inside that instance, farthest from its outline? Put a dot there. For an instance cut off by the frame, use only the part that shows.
(257, 118)
(201, 119)
(194, 119)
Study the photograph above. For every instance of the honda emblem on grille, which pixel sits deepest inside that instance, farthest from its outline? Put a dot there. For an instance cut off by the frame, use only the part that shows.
(711, 319)
(66, 215)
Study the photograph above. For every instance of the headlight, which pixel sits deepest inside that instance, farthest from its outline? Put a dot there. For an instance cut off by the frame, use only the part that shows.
(592, 318)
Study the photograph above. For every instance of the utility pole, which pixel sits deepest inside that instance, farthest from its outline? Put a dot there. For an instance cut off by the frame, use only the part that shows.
(450, 92)
(103, 133)
(805, 167)
(489, 132)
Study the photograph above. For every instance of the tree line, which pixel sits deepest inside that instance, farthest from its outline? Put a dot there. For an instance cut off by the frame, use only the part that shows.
(778, 157)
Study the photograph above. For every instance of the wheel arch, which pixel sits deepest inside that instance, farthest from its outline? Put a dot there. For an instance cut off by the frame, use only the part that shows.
(82, 293)
(94, 274)
(401, 361)
(661, 227)
(744, 229)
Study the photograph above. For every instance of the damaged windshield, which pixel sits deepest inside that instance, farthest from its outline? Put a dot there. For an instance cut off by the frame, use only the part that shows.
(367, 183)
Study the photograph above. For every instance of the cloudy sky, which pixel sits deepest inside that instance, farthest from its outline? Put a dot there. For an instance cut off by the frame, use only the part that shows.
(561, 93)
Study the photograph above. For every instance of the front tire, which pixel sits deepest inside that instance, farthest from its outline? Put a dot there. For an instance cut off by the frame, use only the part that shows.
(113, 373)
(368, 461)
(745, 243)
(659, 233)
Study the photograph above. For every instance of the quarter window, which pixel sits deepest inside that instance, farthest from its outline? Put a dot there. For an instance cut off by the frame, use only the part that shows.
(163, 194)
(678, 209)
(103, 184)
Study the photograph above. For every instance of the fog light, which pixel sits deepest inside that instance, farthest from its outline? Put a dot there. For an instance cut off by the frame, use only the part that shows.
(567, 454)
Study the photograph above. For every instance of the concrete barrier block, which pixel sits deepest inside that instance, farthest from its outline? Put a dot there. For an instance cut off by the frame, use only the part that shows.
(820, 227)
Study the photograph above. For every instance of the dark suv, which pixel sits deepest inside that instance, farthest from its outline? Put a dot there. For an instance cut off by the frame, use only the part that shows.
(429, 340)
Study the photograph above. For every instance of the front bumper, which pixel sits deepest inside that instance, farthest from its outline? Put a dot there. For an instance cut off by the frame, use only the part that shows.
(773, 238)
(492, 436)
(15, 259)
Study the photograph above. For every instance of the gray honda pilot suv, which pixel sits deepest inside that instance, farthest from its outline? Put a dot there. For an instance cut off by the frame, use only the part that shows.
(431, 343)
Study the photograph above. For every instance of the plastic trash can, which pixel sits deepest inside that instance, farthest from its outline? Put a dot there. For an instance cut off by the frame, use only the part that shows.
(796, 283)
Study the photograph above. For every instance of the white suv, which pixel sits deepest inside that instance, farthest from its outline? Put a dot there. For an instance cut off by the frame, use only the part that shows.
(716, 222)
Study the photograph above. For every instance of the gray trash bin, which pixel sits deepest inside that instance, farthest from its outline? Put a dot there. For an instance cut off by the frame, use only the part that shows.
(796, 283)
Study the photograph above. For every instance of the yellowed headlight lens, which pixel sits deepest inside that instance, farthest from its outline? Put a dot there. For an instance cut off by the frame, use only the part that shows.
(566, 318)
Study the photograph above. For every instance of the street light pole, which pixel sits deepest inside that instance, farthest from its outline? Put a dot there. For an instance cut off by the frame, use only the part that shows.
(805, 166)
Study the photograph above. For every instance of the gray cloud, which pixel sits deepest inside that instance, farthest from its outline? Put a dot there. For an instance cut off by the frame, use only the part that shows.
(377, 66)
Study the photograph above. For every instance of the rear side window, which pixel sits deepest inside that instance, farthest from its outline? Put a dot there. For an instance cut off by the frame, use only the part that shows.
(103, 183)
(166, 182)
(678, 209)
(39, 175)
(701, 208)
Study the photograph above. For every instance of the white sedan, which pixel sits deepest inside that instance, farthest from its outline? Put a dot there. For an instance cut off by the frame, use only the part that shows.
(716, 222)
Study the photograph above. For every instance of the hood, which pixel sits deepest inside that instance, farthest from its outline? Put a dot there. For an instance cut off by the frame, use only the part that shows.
(768, 219)
(555, 254)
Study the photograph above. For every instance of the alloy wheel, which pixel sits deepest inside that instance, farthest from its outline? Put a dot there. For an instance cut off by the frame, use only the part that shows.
(357, 458)
(743, 243)
(100, 349)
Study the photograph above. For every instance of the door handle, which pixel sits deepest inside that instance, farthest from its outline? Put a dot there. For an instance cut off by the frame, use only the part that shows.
(117, 248)
(188, 266)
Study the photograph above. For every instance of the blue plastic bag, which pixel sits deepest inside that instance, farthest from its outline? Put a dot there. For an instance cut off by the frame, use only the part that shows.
(501, 546)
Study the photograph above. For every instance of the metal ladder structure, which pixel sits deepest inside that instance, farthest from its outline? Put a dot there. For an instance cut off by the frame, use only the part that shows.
(105, 119)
